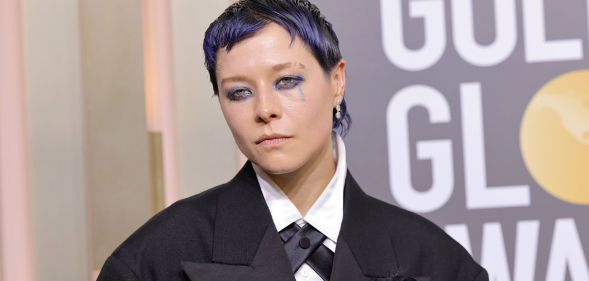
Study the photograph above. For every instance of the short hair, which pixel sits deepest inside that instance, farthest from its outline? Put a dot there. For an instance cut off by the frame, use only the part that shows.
(300, 18)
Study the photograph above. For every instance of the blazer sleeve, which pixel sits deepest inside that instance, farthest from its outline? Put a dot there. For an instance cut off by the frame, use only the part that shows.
(115, 269)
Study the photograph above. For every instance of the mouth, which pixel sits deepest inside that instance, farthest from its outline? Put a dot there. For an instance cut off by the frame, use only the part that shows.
(272, 139)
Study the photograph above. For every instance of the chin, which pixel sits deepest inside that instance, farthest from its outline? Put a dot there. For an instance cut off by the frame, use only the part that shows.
(276, 170)
(277, 166)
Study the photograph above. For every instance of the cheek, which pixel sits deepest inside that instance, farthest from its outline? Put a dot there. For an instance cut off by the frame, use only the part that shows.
(235, 121)
(316, 109)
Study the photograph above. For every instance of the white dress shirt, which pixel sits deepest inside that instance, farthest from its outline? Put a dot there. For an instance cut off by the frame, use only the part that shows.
(325, 215)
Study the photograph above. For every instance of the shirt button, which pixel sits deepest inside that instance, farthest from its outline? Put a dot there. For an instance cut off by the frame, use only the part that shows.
(304, 243)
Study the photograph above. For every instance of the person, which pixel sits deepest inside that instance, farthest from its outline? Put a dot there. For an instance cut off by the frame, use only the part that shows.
(294, 211)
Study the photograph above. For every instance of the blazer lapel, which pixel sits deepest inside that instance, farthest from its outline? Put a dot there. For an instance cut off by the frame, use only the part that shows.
(364, 247)
(246, 245)
(269, 264)
(345, 266)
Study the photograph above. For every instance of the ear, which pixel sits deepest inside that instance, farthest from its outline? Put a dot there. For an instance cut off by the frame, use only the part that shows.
(338, 81)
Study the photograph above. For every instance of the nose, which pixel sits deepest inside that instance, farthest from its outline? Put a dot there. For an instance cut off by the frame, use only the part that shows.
(268, 107)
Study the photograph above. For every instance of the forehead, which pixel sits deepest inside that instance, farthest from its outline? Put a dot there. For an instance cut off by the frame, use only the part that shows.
(270, 46)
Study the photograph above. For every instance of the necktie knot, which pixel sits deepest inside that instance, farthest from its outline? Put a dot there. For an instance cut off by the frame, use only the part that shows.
(305, 245)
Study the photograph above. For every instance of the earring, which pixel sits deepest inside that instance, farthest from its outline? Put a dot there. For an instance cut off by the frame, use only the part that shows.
(338, 111)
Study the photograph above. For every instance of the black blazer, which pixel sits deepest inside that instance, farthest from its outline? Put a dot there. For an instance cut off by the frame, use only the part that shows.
(227, 233)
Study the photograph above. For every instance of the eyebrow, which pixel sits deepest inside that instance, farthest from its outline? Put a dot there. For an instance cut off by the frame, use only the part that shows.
(233, 79)
(277, 67)
(285, 65)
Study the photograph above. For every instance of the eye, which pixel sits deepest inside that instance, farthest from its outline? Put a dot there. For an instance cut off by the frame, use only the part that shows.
(288, 82)
(238, 94)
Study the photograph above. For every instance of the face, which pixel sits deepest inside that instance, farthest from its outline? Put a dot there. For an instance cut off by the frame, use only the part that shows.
(277, 100)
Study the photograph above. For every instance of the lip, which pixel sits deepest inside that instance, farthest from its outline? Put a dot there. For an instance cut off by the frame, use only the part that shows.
(272, 139)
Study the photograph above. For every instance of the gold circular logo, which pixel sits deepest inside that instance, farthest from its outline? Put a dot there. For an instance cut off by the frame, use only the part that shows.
(554, 137)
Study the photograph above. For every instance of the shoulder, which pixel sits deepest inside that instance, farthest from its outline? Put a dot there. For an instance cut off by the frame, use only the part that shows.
(195, 213)
(182, 231)
(422, 247)
(400, 223)
(404, 224)
(407, 223)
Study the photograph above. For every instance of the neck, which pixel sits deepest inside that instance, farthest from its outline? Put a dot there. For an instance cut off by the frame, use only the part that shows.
(306, 184)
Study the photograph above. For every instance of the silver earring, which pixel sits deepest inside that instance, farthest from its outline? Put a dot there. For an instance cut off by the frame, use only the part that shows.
(338, 111)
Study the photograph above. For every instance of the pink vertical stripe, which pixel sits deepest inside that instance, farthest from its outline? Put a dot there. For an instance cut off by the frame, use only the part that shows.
(159, 87)
(15, 217)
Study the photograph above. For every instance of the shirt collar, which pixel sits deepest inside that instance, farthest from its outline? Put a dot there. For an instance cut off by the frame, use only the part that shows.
(327, 212)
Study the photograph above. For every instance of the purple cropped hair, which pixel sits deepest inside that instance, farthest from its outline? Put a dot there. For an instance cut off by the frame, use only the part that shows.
(300, 18)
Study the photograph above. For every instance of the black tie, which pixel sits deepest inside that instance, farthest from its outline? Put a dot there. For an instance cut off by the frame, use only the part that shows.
(306, 245)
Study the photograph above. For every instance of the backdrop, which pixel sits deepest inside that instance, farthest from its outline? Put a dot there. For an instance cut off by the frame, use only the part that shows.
(475, 114)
